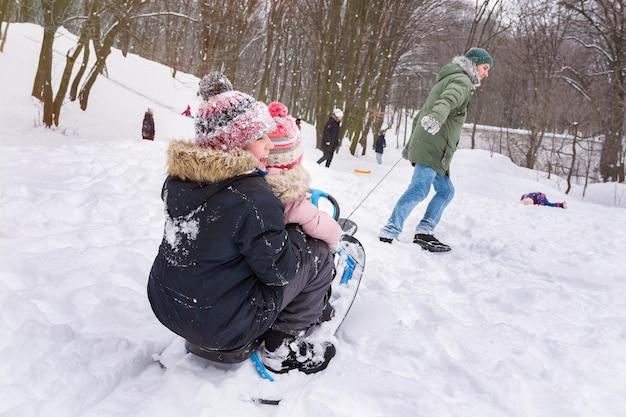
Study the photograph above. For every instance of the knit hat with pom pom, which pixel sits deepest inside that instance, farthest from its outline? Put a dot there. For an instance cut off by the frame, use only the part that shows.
(229, 119)
(287, 150)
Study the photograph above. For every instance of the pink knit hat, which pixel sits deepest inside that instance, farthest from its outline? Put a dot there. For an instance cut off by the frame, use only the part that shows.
(229, 119)
(287, 150)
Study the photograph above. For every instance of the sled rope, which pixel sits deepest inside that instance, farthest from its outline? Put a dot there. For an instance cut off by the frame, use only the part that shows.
(375, 186)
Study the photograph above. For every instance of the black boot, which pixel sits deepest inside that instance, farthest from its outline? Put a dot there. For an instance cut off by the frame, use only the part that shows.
(431, 243)
(284, 352)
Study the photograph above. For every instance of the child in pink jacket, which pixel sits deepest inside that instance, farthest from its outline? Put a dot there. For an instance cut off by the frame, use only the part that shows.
(291, 182)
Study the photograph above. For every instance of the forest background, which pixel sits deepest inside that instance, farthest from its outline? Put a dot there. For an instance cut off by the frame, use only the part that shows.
(555, 99)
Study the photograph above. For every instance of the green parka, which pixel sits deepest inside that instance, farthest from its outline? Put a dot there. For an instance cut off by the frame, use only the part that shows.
(447, 102)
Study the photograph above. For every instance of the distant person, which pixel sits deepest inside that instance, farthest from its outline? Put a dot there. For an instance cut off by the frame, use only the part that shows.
(330, 137)
(147, 127)
(540, 199)
(381, 144)
(434, 138)
(298, 123)
(228, 270)
(187, 112)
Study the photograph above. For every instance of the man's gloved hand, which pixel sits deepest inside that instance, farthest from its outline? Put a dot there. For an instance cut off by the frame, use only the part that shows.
(405, 152)
(430, 124)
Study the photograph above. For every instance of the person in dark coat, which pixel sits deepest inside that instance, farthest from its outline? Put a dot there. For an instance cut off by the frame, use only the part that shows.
(229, 270)
(381, 144)
(147, 126)
(330, 138)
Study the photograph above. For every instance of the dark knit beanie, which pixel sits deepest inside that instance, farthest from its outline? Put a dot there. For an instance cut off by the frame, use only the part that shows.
(229, 119)
(479, 56)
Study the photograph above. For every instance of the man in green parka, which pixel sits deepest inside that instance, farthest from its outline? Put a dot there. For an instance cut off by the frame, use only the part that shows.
(434, 138)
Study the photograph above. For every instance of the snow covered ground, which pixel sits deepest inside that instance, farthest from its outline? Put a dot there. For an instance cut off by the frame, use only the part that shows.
(525, 317)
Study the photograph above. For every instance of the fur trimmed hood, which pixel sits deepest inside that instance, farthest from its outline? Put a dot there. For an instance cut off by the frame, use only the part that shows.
(290, 184)
(189, 162)
(469, 68)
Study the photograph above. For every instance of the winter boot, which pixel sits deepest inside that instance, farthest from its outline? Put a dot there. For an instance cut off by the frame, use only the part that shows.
(385, 236)
(284, 352)
(430, 243)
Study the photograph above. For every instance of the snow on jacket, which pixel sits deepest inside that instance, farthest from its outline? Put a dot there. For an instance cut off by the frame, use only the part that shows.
(447, 102)
(291, 186)
(217, 279)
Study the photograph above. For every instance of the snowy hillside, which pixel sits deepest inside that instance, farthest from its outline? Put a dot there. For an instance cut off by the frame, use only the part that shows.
(525, 317)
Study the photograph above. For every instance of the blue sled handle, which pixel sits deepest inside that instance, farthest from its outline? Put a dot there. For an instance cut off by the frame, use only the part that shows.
(347, 273)
(350, 265)
(317, 194)
(260, 368)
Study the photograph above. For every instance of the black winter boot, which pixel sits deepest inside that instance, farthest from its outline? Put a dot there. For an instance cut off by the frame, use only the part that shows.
(284, 352)
(431, 243)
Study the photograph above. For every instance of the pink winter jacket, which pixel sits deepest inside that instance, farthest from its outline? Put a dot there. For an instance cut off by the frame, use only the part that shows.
(291, 186)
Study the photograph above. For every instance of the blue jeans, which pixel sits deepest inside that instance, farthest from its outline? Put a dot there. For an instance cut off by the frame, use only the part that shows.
(423, 177)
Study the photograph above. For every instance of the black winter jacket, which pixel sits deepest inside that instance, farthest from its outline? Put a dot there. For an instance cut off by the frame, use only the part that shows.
(331, 134)
(217, 279)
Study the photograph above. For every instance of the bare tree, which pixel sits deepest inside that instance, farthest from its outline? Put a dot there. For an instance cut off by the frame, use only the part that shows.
(122, 13)
(357, 48)
(276, 61)
(225, 31)
(53, 12)
(7, 9)
(485, 32)
(324, 19)
(371, 59)
(538, 35)
(87, 33)
(385, 40)
(600, 28)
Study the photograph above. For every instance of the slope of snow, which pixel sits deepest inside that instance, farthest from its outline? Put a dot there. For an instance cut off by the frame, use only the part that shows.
(525, 317)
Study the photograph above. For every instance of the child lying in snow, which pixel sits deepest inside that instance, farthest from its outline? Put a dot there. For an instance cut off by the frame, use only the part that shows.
(540, 199)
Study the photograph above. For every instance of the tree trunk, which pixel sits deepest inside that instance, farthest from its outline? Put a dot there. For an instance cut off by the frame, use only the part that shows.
(90, 31)
(573, 162)
(98, 67)
(7, 10)
(42, 87)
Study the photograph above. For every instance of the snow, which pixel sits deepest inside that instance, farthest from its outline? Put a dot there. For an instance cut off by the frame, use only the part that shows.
(525, 317)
